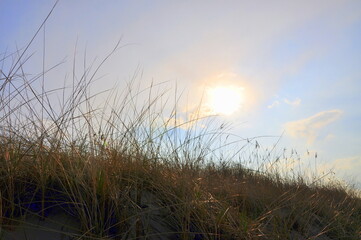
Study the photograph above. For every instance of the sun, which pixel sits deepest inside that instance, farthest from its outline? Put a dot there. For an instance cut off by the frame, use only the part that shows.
(224, 100)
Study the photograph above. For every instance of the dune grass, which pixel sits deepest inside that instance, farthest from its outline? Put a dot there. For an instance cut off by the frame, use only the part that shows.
(129, 172)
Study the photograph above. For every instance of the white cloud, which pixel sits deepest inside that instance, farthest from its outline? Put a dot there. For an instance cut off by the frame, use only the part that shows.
(295, 102)
(309, 127)
(274, 104)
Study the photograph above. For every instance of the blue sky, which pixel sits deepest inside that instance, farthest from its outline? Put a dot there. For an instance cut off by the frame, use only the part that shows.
(298, 62)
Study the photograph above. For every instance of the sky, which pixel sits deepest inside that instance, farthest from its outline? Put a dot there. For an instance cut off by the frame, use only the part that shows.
(275, 68)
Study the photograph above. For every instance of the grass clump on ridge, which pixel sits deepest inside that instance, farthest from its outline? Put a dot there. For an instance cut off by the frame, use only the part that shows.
(125, 172)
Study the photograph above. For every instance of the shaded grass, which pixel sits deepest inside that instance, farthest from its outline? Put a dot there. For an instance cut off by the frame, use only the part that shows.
(198, 203)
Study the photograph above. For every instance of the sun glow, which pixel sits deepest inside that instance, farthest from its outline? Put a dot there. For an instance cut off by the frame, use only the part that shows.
(224, 100)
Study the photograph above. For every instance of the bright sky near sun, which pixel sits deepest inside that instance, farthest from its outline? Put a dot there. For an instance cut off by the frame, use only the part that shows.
(224, 100)
(267, 67)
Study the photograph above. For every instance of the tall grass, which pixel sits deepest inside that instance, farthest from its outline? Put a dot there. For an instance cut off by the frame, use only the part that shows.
(131, 171)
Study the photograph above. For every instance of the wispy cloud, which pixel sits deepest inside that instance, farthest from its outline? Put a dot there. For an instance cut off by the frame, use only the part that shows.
(295, 102)
(309, 127)
(274, 104)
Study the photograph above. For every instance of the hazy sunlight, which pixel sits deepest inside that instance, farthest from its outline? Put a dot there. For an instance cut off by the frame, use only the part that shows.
(224, 100)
